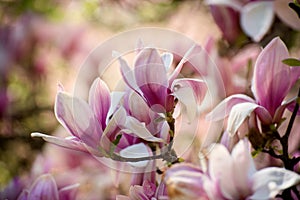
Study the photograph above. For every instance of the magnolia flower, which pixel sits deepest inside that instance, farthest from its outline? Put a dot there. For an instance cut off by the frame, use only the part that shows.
(94, 125)
(44, 187)
(255, 17)
(151, 81)
(147, 191)
(229, 176)
(271, 83)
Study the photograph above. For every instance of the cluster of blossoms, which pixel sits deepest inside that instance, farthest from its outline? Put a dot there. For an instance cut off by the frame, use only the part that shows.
(254, 18)
(137, 127)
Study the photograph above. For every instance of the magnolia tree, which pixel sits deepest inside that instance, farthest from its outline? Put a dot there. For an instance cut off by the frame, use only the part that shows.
(137, 127)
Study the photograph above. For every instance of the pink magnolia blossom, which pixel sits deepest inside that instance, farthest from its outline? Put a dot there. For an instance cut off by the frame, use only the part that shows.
(146, 191)
(151, 81)
(272, 80)
(255, 17)
(89, 123)
(44, 187)
(229, 176)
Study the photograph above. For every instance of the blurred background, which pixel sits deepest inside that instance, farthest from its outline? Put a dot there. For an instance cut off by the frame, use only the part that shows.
(43, 43)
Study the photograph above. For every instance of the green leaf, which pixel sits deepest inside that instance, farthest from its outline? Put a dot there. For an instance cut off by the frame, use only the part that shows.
(292, 62)
(115, 143)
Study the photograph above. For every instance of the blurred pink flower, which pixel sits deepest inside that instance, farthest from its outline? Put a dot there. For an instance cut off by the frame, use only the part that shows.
(255, 17)
(229, 176)
(44, 187)
(271, 83)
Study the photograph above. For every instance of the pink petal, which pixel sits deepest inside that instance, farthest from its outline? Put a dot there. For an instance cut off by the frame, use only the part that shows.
(154, 85)
(128, 75)
(76, 115)
(138, 108)
(68, 142)
(222, 109)
(99, 100)
(44, 188)
(286, 14)
(271, 79)
(257, 18)
(227, 20)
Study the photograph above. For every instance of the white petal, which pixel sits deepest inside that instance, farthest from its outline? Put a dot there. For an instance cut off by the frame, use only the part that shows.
(221, 169)
(222, 109)
(167, 59)
(257, 18)
(136, 151)
(235, 4)
(238, 114)
(268, 182)
(115, 97)
(135, 127)
(186, 96)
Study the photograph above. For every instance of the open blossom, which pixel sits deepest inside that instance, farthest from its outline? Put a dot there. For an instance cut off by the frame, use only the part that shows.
(229, 176)
(255, 18)
(44, 187)
(90, 124)
(272, 80)
(151, 81)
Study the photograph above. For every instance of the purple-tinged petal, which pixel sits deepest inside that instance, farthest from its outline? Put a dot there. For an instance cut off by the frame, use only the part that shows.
(138, 108)
(23, 195)
(243, 166)
(128, 75)
(257, 18)
(268, 182)
(136, 151)
(184, 181)
(221, 170)
(154, 85)
(148, 62)
(239, 113)
(76, 115)
(222, 109)
(271, 78)
(68, 192)
(64, 112)
(44, 188)
(137, 193)
(68, 142)
(99, 100)
(227, 20)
